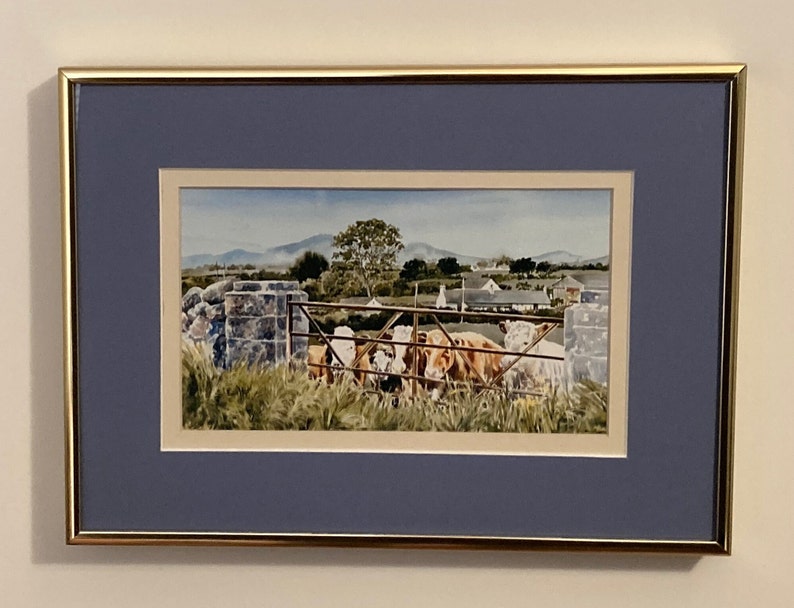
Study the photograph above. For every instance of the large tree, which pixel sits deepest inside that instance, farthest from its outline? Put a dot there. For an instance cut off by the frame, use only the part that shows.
(522, 266)
(449, 266)
(367, 250)
(414, 269)
(543, 267)
(309, 266)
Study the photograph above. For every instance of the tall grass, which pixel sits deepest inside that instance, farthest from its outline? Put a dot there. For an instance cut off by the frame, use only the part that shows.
(279, 398)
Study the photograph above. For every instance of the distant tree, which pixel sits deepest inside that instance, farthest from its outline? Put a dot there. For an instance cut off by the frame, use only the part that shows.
(382, 290)
(503, 260)
(270, 275)
(522, 266)
(249, 267)
(414, 269)
(339, 284)
(401, 287)
(449, 266)
(367, 251)
(310, 265)
(543, 267)
(314, 289)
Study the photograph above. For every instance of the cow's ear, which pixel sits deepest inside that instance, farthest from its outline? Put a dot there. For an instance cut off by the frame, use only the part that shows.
(362, 339)
(421, 336)
(543, 327)
(503, 326)
(389, 335)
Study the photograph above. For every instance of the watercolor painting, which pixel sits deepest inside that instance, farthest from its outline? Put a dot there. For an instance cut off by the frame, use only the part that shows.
(395, 309)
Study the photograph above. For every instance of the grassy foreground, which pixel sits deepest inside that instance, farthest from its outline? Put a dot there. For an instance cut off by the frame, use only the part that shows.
(279, 398)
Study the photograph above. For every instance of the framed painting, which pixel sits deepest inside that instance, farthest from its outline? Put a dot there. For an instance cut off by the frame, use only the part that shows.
(474, 308)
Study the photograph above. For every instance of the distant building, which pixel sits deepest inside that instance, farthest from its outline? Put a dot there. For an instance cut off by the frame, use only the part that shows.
(598, 281)
(567, 289)
(596, 287)
(362, 301)
(441, 300)
(498, 301)
(484, 283)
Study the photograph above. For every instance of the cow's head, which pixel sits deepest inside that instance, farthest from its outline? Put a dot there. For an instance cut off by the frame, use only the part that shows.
(403, 354)
(520, 334)
(439, 360)
(344, 349)
(382, 360)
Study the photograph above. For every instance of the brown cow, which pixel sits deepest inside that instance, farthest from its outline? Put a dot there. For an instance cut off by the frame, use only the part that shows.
(450, 364)
(315, 359)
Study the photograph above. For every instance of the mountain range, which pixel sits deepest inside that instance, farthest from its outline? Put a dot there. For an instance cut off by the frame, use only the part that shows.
(284, 255)
(566, 257)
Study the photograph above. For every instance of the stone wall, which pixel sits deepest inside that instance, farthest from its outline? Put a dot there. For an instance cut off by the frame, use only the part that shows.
(256, 322)
(587, 341)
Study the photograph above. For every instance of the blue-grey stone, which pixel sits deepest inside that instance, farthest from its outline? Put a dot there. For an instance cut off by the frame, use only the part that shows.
(191, 298)
(248, 286)
(250, 304)
(214, 294)
(300, 347)
(251, 328)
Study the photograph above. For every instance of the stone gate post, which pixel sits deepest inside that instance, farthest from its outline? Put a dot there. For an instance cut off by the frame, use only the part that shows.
(587, 341)
(256, 322)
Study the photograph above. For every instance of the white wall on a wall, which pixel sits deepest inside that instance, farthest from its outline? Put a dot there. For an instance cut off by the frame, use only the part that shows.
(38, 36)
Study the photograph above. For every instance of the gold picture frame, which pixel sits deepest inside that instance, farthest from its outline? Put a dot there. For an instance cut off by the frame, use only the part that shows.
(122, 128)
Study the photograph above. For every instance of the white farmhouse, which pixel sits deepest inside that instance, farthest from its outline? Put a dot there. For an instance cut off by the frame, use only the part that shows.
(515, 300)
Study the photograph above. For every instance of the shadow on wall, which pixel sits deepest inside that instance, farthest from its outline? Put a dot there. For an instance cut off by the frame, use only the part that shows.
(47, 437)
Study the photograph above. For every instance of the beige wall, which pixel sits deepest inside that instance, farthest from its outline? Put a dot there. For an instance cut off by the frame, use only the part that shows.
(37, 36)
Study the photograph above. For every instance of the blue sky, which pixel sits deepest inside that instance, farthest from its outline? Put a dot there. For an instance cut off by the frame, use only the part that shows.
(482, 223)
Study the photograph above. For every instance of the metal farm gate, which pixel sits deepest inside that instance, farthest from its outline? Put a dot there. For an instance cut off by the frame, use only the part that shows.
(415, 314)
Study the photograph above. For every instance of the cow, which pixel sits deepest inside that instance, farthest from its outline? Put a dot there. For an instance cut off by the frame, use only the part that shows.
(446, 363)
(315, 359)
(531, 372)
(398, 358)
(341, 351)
(345, 350)
(381, 361)
(403, 362)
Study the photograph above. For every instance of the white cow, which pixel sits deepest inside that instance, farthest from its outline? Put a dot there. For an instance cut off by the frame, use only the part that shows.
(401, 333)
(346, 351)
(403, 360)
(531, 372)
(381, 361)
(397, 358)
